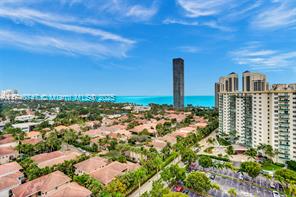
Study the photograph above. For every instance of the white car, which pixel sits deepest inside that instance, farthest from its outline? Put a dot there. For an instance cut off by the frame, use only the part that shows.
(276, 194)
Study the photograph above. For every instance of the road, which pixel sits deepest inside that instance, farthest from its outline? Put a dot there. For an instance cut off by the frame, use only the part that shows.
(146, 187)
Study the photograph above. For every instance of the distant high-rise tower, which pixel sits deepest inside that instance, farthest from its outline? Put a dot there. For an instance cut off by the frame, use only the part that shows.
(178, 70)
(217, 90)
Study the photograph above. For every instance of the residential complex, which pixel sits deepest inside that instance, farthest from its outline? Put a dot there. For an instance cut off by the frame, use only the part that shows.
(259, 114)
(178, 80)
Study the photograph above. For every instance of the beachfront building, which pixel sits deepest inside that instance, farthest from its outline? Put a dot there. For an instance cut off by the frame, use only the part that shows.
(259, 115)
(178, 80)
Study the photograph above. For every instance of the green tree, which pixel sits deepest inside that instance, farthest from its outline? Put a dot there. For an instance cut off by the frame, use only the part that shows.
(230, 150)
(269, 151)
(285, 175)
(232, 192)
(199, 182)
(158, 189)
(189, 156)
(70, 137)
(205, 161)
(173, 173)
(292, 189)
(251, 168)
(291, 165)
(90, 183)
(216, 186)
(175, 194)
(116, 186)
(252, 152)
(140, 175)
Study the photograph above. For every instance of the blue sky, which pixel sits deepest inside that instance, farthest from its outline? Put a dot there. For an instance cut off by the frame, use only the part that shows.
(125, 47)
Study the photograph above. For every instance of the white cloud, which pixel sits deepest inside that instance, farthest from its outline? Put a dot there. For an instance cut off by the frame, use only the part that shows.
(58, 22)
(200, 8)
(122, 10)
(88, 40)
(168, 21)
(189, 49)
(62, 45)
(211, 24)
(265, 59)
(141, 13)
(281, 14)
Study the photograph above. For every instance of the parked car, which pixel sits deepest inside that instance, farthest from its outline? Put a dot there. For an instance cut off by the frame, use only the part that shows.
(276, 194)
(178, 188)
(186, 191)
(212, 177)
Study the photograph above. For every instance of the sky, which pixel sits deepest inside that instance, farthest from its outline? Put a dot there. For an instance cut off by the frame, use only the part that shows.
(125, 47)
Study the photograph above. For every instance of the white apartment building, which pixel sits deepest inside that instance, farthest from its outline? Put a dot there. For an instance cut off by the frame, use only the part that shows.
(259, 115)
(9, 95)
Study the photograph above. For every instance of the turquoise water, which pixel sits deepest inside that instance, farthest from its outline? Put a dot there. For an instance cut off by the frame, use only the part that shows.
(205, 101)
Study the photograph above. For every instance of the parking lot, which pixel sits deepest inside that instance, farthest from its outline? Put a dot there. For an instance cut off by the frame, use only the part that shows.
(244, 185)
(243, 189)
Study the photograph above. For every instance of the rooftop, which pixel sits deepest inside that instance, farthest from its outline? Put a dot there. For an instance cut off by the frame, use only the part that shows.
(91, 164)
(9, 168)
(42, 184)
(33, 134)
(6, 139)
(106, 174)
(7, 151)
(70, 189)
(53, 158)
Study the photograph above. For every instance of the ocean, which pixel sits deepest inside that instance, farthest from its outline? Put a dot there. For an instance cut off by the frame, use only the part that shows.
(204, 101)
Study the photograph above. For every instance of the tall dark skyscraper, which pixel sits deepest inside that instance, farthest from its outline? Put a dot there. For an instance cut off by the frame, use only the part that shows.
(178, 70)
(217, 90)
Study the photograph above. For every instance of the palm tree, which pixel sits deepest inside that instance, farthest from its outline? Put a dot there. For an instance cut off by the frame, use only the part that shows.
(252, 153)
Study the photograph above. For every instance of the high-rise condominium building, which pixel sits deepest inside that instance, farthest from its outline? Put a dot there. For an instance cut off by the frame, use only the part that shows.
(178, 79)
(260, 115)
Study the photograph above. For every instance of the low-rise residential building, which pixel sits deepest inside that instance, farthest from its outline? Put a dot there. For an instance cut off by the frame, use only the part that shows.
(52, 185)
(158, 144)
(10, 177)
(8, 140)
(134, 156)
(31, 141)
(106, 174)
(70, 190)
(34, 135)
(24, 118)
(57, 157)
(90, 165)
(7, 154)
(25, 127)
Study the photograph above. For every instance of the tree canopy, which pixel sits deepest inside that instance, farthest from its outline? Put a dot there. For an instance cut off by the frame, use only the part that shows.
(198, 181)
(251, 168)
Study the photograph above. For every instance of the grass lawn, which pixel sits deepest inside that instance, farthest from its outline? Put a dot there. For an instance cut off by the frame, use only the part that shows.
(270, 167)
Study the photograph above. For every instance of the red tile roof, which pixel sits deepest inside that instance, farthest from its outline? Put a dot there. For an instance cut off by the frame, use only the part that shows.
(10, 180)
(6, 139)
(7, 151)
(70, 190)
(91, 164)
(106, 174)
(42, 184)
(8, 168)
(33, 134)
(53, 158)
(31, 141)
